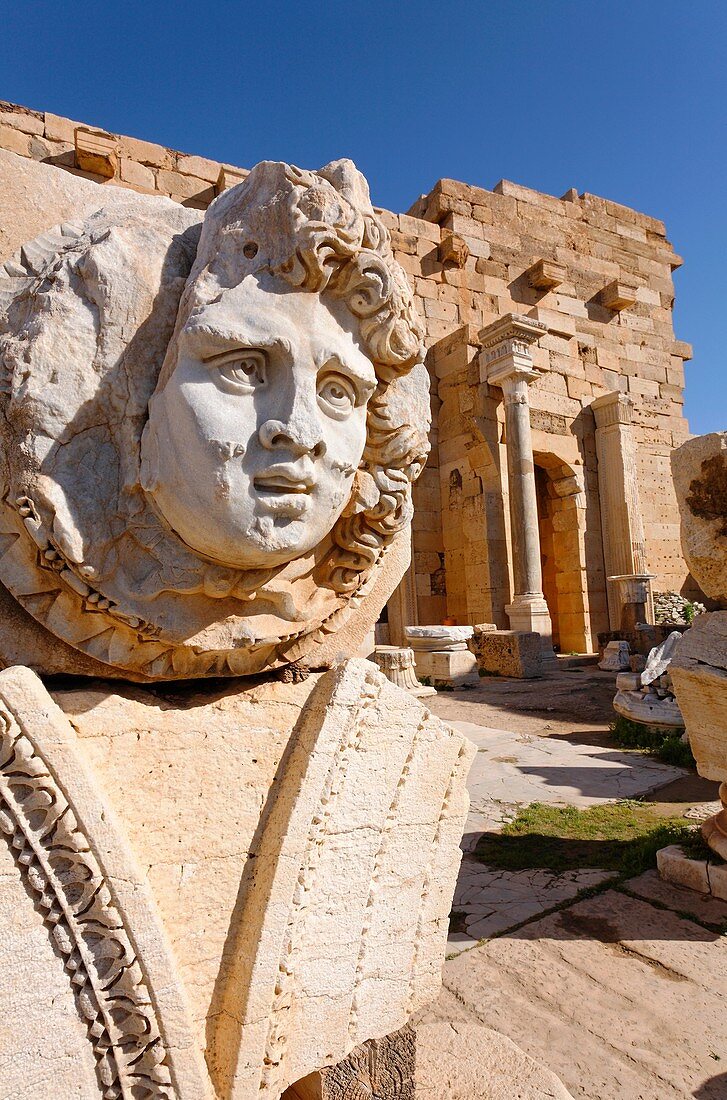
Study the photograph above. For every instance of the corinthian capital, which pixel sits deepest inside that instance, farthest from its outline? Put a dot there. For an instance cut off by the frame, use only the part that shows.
(505, 349)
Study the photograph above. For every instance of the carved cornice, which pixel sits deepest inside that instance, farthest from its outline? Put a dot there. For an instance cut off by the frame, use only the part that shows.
(505, 348)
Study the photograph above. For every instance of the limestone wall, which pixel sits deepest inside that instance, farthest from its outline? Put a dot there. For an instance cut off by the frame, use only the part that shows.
(470, 254)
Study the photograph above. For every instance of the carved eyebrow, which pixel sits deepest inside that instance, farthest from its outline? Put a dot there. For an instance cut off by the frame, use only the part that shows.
(231, 341)
(366, 378)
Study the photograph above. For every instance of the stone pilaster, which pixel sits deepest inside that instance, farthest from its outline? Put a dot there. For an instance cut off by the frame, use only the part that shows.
(505, 361)
(402, 608)
(624, 547)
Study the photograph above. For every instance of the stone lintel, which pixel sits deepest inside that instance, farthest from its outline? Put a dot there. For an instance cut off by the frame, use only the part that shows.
(612, 408)
(505, 348)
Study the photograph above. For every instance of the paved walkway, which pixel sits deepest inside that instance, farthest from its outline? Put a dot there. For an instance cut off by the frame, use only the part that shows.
(513, 770)
(621, 995)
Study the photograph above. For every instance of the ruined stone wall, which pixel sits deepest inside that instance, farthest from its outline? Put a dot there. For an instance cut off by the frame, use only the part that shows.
(471, 255)
(610, 328)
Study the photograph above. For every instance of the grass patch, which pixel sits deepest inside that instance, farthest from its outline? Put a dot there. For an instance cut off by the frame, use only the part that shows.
(696, 847)
(621, 836)
(666, 744)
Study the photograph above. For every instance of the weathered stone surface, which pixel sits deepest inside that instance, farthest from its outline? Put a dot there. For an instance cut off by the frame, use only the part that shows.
(699, 675)
(381, 1068)
(600, 992)
(229, 520)
(76, 864)
(704, 908)
(615, 657)
(460, 1060)
(674, 866)
(447, 668)
(438, 638)
(699, 468)
(397, 665)
(508, 652)
(280, 919)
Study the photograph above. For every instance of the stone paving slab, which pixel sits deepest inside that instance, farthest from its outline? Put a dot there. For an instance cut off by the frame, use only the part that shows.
(704, 908)
(619, 997)
(512, 770)
(488, 902)
(467, 1061)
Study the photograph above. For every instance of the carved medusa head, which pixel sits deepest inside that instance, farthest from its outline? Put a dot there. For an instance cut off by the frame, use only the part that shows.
(254, 493)
(269, 427)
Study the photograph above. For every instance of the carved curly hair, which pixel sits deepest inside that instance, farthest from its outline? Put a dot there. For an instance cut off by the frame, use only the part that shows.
(318, 231)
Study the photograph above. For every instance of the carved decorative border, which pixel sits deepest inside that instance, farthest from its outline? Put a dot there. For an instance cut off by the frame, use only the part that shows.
(59, 867)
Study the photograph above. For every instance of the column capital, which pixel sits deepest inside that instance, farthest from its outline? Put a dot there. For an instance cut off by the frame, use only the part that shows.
(612, 408)
(505, 349)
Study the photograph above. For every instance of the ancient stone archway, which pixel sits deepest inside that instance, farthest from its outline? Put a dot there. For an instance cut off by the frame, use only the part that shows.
(561, 516)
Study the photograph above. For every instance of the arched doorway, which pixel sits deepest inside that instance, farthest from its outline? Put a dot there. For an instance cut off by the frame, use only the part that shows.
(561, 518)
(547, 549)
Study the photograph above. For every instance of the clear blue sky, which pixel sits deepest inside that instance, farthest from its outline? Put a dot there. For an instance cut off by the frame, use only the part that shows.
(624, 99)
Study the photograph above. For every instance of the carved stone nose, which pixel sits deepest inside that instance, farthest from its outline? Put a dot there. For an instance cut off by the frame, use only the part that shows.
(298, 438)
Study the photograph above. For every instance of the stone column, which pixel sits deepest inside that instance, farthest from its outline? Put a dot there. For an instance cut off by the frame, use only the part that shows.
(505, 361)
(402, 607)
(624, 548)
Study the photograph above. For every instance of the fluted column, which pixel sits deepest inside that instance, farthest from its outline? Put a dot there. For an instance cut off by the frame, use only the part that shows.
(624, 547)
(506, 362)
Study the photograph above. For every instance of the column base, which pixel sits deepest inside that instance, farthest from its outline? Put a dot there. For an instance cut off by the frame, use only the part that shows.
(530, 613)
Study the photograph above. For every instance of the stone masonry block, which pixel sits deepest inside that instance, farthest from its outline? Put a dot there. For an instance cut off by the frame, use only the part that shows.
(96, 152)
(507, 652)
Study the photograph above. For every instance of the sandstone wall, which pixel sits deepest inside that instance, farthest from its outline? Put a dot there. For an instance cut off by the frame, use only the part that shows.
(469, 253)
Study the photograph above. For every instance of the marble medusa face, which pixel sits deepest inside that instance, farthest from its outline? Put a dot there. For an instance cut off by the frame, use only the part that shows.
(210, 431)
(252, 445)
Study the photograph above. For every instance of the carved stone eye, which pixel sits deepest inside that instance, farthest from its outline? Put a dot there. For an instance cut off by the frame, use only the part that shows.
(250, 250)
(336, 395)
(246, 371)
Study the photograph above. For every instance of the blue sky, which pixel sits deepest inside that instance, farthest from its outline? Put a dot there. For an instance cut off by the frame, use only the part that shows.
(623, 99)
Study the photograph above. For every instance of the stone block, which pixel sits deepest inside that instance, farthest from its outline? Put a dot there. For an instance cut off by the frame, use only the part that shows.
(508, 652)
(15, 141)
(674, 866)
(184, 187)
(320, 868)
(451, 668)
(60, 129)
(618, 295)
(28, 122)
(453, 250)
(146, 152)
(199, 166)
(461, 1059)
(546, 274)
(381, 1068)
(699, 675)
(138, 175)
(699, 469)
(96, 152)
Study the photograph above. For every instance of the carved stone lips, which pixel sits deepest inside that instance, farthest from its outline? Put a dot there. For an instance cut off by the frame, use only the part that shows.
(284, 480)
